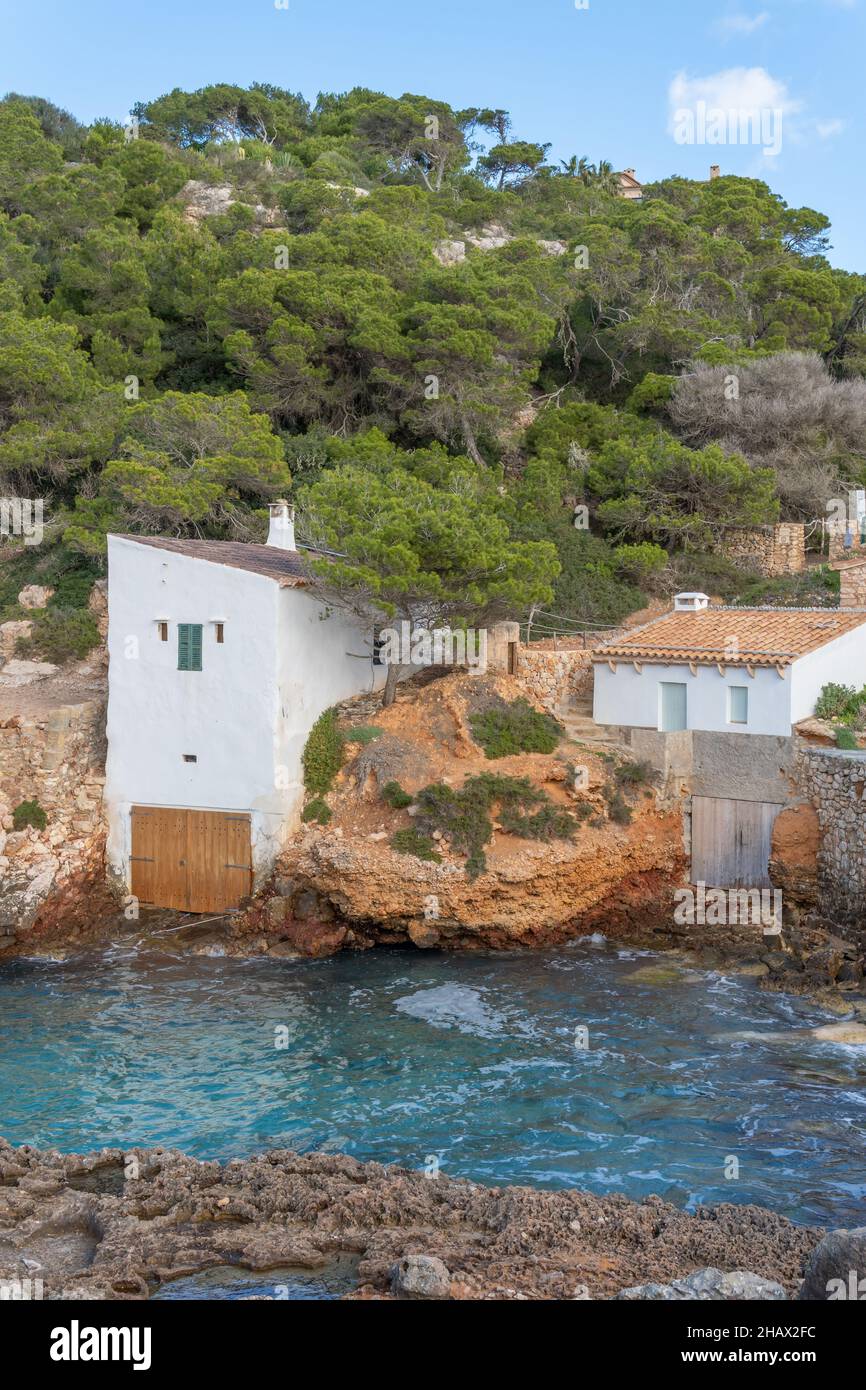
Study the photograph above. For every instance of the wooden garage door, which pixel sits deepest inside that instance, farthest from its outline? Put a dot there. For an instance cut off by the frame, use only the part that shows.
(731, 842)
(193, 861)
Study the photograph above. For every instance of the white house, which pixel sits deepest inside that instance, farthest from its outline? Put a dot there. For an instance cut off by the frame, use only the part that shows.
(220, 661)
(727, 670)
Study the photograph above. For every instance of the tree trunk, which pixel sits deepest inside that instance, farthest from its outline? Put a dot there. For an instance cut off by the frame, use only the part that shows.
(389, 694)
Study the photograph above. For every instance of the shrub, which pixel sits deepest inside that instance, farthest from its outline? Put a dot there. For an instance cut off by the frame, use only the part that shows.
(59, 634)
(323, 754)
(29, 813)
(363, 734)
(618, 808)
(640, 774)
(834, 700)
(516, 728)
(395, 796)
(464, 816)
(316, 810)
(412, 841)
(845, 738)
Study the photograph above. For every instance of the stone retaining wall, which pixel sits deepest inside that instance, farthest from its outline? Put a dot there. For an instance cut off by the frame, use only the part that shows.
(835, 782)
(771, 550)
(555, 679)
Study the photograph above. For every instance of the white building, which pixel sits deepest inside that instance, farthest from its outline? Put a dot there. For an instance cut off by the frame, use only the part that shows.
(220, 661)
(727, 670)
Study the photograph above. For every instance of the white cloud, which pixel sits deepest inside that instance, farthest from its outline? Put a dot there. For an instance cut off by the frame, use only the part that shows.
(738, 106)
(732, 25)
(827, 129)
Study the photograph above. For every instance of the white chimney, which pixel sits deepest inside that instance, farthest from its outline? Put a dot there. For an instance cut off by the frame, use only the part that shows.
(281, 531)
(690, 603)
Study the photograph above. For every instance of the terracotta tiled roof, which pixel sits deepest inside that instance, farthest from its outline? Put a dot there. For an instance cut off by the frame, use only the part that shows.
(733, 636)
(288, 567)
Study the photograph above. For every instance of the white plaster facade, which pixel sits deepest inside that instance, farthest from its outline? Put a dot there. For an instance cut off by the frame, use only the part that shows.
(630, 695)
(245, 716)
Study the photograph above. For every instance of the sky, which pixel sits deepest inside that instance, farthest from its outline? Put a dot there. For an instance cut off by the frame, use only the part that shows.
(646, 84)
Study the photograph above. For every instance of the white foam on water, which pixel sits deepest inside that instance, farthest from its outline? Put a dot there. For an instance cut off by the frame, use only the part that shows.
(454, 1006)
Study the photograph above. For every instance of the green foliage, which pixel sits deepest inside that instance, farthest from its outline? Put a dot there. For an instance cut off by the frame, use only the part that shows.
(363, 734)
(395, 796)
(316, 811)
(464, 817)
(834, 700)
(516, 728)
(816, 587)
(29, 813)
(323, 754)
(632, 775)
(618, 808)
(846, 738)
(59, 634)
(412, 841)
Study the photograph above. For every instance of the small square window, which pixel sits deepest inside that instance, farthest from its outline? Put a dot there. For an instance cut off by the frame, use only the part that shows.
(738, 704)
(190, 757)
(163, 631)
(220, 631)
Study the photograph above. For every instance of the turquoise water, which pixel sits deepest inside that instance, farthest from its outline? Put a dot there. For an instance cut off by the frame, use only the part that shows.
(465, 1061)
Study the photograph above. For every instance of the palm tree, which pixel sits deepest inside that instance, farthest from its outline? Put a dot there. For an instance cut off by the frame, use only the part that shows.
(574, 168)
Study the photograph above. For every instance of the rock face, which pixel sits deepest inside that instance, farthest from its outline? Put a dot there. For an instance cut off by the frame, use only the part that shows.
(533, 893)
(117, 1225)
(202, 200)
(52, 880)
(34, 596)
(709, 1285)
(837, 1268)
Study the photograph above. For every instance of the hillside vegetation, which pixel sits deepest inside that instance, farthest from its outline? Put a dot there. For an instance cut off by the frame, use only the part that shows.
(242, 296)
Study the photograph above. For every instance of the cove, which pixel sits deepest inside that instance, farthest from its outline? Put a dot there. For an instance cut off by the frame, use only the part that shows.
(589, 1066)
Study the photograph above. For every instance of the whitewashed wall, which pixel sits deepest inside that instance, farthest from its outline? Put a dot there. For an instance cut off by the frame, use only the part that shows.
(843, 661)
(630, 698)
(246, 715)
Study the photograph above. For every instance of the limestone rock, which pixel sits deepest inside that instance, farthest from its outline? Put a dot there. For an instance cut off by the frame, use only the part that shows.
(839, 1255)
(420, 1276)
(450, 252)
(709, 1285)
(16, 672)
(34, 596)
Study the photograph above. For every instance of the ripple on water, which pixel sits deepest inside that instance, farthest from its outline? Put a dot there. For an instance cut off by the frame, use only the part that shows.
(401, 1056)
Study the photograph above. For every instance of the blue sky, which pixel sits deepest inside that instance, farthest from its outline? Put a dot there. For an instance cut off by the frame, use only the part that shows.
(606, 80)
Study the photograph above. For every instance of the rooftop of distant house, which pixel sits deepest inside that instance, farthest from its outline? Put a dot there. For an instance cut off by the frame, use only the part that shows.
(288, 567)
(712, 636)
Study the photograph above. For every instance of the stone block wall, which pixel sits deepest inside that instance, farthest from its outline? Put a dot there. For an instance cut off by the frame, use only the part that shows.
(771, 550)
(837, 534)
(852, 585)
(554, 679)
(835, 782)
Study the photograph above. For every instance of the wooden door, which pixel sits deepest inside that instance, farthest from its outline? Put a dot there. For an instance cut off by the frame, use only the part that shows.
(731, 842)
(192, 861)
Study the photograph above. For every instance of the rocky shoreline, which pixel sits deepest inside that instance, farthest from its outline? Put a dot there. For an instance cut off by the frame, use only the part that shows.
(122, 1224)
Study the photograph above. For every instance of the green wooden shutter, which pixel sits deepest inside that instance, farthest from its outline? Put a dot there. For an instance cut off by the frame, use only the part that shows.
(189, 646)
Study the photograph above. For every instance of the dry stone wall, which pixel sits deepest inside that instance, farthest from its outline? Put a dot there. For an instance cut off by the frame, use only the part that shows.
(835, 782)
(771, 550)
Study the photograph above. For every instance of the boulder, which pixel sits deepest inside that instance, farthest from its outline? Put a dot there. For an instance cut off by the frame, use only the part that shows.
(709, 1285)
(420, 1277)
(34, 596)
(836, 1269)
(16, 672)
(450, 252)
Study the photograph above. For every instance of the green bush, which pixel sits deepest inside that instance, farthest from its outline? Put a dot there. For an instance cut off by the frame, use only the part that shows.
(363, 734)
(845, 738)
(516, 728)
(316, 810)
(29, 813)
(834, 701)
(817, 587)
(395, 796)
(323, 754)
(412, 841)
(618, 808)
(59, 634)
(640, 774)
(464, 816)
